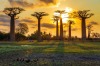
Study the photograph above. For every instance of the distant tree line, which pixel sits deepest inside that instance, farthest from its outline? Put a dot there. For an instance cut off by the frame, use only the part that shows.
(6, 36)
(44, 36)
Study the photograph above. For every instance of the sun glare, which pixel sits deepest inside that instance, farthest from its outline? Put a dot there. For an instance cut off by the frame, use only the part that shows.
(68, 9)
(65, 16)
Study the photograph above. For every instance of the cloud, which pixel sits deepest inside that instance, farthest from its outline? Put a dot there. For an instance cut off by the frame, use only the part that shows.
(47, 25)
(4, 18)
(54, 2)
(20, 3)
(33, 27)
(3, 30)
(74, 29)
(4, 24)
(28, 20)
(44, 29)
(32, 3)
(94, 23)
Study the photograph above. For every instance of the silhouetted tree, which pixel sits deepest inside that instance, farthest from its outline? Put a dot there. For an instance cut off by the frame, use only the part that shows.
(70, 23)
(56, 19)
(46, 36)
(39, 16)
(96, 35)
(20, 37)
(12, 12)
(22, 28)
(84, 15)
(6, 36)
(89, 27)
(2, 35)
(34, 35)
(61, 23)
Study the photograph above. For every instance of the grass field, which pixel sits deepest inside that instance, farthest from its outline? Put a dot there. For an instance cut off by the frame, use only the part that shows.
(50, 53)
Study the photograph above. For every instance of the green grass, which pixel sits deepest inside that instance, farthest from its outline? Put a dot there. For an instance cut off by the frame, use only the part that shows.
(52, 47)
(26, 49)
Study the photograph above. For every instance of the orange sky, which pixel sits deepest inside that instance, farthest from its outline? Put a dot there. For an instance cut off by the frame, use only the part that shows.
(49, 6)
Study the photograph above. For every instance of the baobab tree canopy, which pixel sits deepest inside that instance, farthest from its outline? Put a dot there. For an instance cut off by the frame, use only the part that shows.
(56, 18)
(13, 11)
(71, 22)
(60, 11)
(84, 14)
(39, 15)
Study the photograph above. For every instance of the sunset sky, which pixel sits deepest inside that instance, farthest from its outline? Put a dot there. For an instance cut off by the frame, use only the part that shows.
(49, 6)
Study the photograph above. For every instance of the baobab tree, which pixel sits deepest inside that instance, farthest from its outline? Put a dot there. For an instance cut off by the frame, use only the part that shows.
(61, 23)
(70, 23)
(56, 19)
(13, 12)
(83, 15)
(39, 16)
(89, 27)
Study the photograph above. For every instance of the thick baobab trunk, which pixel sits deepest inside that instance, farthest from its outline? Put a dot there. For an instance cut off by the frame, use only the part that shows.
(83, 29)
(39, 31)
(61, 29)
(69, 31)
(57, 30)
(12, 29)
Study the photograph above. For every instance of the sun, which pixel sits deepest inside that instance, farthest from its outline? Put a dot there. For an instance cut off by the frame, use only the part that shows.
(65, 16)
